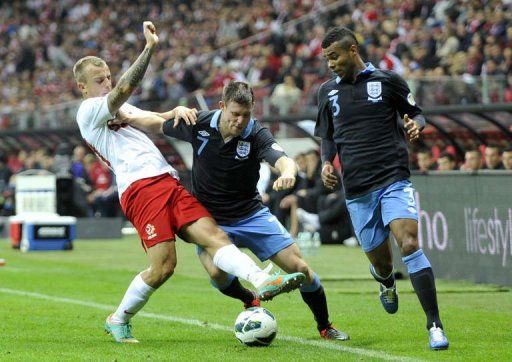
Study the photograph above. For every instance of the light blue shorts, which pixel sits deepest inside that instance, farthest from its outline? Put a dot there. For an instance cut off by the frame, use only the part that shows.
(372, 213)
(261, 233)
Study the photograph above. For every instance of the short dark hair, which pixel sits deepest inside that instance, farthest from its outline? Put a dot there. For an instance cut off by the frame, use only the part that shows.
(447, 155)
(340, 34)
(508, 149)
(239, 92)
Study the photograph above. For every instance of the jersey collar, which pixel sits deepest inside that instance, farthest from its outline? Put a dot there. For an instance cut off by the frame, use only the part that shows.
(369, 69)
(215, 119)
(214, 123)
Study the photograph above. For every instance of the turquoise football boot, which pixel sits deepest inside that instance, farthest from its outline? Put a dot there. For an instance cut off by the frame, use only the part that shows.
(122, 333)
(280, 283)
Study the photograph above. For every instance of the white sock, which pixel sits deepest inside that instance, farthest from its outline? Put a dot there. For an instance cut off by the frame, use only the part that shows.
(134, 299)
(230, 259)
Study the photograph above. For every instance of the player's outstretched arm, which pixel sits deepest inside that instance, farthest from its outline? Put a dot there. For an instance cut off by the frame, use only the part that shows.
(188, 115)
(152, 122)
(288, 171)
(148, 122)
(130, 80)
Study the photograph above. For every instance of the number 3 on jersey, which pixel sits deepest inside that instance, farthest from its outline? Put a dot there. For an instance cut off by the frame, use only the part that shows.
(334, 100)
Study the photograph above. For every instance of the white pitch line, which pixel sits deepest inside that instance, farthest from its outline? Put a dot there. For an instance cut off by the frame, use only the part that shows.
(320, 344)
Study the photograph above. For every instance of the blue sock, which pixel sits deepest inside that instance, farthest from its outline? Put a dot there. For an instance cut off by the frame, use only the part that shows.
(416, 261)
(308, 288)
(314, 296)
(423, 282)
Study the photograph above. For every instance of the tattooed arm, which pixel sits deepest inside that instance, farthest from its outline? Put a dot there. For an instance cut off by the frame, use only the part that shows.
(129, 81)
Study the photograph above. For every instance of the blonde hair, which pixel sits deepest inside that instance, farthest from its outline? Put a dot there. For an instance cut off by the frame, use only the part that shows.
(81, 64)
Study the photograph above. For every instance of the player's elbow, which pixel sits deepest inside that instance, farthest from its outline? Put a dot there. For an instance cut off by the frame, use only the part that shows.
(159, 127)
(118, 96)
(125, 89)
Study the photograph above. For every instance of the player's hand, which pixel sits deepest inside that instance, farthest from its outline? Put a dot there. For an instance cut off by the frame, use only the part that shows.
(412, 127)
(150, 34)
(329, 176)
(284, 182)
(188, 115)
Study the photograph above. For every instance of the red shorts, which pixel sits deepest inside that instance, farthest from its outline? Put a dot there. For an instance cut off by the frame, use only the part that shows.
(159, 207)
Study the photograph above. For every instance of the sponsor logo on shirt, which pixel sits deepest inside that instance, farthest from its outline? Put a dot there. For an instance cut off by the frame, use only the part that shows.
(204, 133)
(150, 230)
(374, 90)
(242, 150)
(333, 92)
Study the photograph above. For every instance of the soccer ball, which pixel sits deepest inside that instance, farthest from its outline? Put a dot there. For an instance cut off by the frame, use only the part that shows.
(255, 327)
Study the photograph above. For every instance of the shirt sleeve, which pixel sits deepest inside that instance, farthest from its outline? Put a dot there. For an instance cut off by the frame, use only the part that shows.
(328, 150)
(182, 132)
(267, 148)
(94, 113)
(402, 97)
(324, 126)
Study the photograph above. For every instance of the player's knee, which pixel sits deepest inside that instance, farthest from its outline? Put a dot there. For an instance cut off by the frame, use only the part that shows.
(168, 270)
(409, 245)
(161, 273)
(218, 238)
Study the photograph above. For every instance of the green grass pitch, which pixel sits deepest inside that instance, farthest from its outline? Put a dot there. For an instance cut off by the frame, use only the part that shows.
(53, 305)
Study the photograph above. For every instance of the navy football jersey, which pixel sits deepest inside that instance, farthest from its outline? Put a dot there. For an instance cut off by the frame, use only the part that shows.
(364, 119)
(224, 175)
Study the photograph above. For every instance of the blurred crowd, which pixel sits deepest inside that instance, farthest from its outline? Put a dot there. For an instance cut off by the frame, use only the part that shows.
(275, 45)
(491, 157)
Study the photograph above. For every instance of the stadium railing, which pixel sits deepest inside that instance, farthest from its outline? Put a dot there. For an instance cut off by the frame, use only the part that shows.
(428, 91)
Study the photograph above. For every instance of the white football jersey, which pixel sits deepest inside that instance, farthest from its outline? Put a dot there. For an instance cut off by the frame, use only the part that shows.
(126, 150)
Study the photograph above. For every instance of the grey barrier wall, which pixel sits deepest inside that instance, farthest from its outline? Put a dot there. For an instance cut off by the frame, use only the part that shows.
(465, 225)
(86, 228)
(99, 228)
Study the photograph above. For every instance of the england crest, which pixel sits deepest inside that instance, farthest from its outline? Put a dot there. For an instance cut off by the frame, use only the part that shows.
(243, 148)
(374, 90)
